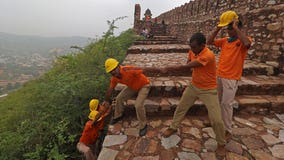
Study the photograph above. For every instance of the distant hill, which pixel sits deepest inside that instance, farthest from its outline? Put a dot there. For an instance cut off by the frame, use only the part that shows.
(20, 45)
(23, 58)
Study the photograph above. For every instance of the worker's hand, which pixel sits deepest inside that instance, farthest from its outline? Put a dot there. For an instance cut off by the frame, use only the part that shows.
(94, 123)
(106, 104)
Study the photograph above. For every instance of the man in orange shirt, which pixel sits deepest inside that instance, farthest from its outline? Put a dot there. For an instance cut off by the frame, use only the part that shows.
(231, 60)
(136, 83)
(203, 86)
(90, 134)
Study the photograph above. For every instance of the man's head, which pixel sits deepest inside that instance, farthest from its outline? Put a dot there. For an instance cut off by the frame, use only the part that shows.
(112, 66)
(197, 43)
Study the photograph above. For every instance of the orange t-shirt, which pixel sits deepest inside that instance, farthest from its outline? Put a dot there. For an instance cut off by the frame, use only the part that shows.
(232, 57)
(204, 77)
(130, 76)
(91, 133)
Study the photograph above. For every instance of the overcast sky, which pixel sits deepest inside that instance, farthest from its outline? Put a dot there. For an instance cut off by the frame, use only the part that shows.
(86, 18)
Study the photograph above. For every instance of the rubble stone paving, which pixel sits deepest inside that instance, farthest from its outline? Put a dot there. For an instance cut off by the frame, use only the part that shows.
(245, 143)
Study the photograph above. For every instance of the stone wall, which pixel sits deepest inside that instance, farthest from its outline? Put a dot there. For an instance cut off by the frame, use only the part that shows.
(263, 21)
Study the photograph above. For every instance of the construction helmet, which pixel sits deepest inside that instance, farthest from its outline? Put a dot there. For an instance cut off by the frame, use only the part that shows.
(111, 64)
(93, 115)
(94, 104)
(226, 18)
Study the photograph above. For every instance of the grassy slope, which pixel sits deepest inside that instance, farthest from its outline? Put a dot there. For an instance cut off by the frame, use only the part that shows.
(44, 119)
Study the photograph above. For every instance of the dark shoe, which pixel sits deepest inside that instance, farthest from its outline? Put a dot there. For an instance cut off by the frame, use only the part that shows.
(220, 151)
(143, 131)
(169, 132)
(115, 120)
(228, 135)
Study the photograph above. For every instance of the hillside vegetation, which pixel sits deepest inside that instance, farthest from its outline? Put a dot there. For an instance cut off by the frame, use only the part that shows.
(44, 119)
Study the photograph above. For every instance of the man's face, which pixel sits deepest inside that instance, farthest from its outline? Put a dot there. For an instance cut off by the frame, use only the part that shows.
(231, 31)
(115, 72)
(196, 48)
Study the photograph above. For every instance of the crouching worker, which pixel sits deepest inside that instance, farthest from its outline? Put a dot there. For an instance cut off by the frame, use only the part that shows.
(136, 84)
(90, 134)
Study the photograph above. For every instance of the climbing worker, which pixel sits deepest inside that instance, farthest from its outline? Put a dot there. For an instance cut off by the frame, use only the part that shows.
(203, 86)
(233, 52)
(104, 111)
(92, 130)
(136, 83)
(87, 142)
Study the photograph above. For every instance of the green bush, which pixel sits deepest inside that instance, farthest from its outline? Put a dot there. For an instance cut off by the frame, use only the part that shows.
(44, 119)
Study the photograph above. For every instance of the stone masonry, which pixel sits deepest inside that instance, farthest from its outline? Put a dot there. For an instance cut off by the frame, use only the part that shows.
(263, 21)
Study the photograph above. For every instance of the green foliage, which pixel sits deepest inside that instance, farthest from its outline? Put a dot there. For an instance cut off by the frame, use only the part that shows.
(44, 119)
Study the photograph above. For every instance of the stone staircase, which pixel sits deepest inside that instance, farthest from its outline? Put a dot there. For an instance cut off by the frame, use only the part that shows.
(257, 132)
(258, 92)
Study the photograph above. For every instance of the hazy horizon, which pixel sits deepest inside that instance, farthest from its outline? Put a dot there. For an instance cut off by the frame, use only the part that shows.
(71, 18)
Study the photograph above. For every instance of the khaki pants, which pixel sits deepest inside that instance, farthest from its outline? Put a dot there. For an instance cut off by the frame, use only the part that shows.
(210, 99)
(128, 93)
(227, 89)
(87, 151)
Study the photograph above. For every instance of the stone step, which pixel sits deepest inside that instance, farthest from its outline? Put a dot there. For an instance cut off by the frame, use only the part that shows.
(247, 104)
(249, 85)
(149, 42)
(160, 60)
(169, 48)
(165, 37)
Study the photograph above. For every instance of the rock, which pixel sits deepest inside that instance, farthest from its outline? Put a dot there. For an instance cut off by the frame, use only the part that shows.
(208, 156)
(270, 139)
(131, 132)
(107, 154)
(111, 140)
(235, 147)
(245, 122)
(155, 124)
(277, 151)
(170, 142)
(210, 132)
(188, 156)
(234, 156)
(253, 143)
(211, 144)
(191, 144)
(243, 131)
(191, 130)
(261, 155)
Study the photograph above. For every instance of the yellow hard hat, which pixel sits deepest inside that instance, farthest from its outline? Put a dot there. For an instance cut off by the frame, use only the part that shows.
(227, 17)
(111, 64)
(93, 115)
(94, 104)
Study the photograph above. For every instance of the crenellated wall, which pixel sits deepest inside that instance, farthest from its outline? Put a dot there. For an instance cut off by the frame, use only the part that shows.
(263, 21)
